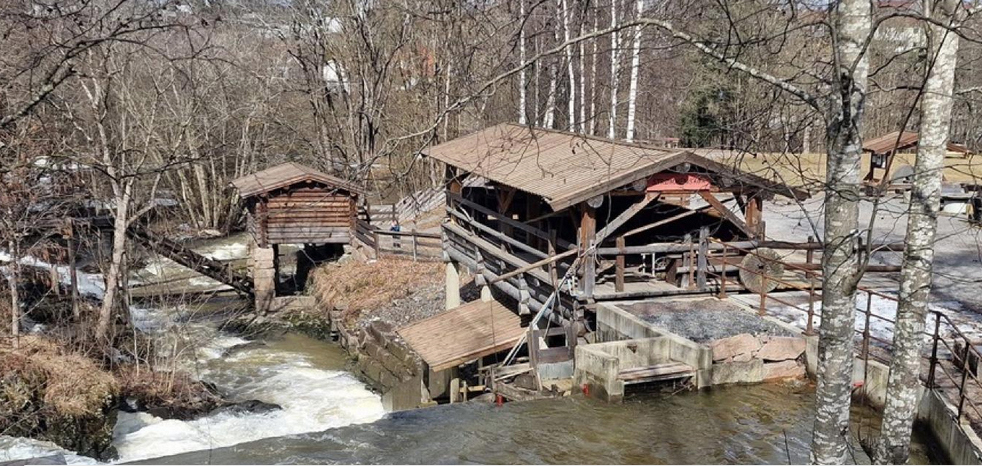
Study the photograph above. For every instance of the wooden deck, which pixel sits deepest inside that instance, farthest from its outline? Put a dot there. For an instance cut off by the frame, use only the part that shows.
(463, 334)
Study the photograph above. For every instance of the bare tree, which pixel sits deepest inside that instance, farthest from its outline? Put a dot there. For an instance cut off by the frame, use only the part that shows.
(922, 224)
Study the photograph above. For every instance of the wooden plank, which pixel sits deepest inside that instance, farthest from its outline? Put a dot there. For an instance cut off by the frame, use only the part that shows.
(666, 221)
(657, 371)
(619, 269)
(511, 222)
(727, 213)
(623, 218)
(462, 334)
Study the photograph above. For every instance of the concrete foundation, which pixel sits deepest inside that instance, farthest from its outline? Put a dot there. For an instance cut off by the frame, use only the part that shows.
(598, 365)
(453, 285)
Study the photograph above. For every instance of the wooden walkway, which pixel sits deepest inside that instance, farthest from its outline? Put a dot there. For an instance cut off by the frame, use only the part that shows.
(183, 255)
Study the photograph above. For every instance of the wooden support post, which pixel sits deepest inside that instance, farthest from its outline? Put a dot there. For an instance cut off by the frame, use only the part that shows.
(810, 254)
(752, 215)
(553, 272)
(276, 268)
(619, 270)
(588, 235)
(692, 262)
(672, 271)
(703, 259)
(414, 244)
(726, 213)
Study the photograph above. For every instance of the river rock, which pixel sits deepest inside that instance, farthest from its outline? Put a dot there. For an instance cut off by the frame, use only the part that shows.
(246, 407)
(738, 372)
(782, 349)
(726, 348)
(783, 370)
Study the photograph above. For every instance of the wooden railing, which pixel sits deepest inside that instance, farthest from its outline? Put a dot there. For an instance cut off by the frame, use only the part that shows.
(416, 245)
(955, 377)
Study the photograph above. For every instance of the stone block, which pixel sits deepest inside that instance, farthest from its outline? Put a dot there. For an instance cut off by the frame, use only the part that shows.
(263, 255)
(783, 370)
(782, 349)
(726, 348)
(738, 372)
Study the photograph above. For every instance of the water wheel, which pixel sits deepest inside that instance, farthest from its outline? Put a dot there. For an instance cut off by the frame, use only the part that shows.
(755, 266)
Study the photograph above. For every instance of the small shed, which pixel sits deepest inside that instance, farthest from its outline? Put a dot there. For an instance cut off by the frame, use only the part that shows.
(883, 148)
(294, 204)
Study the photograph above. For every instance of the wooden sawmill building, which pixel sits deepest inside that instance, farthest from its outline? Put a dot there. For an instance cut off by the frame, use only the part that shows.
(531, 211)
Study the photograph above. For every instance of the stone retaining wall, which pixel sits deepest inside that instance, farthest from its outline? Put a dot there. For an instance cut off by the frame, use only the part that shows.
(387, 363)
(746, 358)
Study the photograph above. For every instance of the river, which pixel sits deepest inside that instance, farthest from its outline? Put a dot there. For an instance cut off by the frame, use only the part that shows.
(328, 416)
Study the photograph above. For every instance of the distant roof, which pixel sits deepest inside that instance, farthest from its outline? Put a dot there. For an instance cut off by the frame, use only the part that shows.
(286, 174)
(569, 168)
(898, 141)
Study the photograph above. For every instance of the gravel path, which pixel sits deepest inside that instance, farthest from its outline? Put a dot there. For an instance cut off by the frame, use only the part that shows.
(705, 319)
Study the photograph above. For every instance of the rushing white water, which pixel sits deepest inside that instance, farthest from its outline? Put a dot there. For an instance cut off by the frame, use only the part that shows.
(312, 399)
(301, 375)
(18, 448)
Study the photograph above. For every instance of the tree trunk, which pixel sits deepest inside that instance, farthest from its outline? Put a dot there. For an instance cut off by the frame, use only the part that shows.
(568, 53)
(922, 225)
(593, 77)
(611, 128)
(522, 119)
(632, 95)
(13, 277)
(582, 125)
(830, 437)
(116, 262)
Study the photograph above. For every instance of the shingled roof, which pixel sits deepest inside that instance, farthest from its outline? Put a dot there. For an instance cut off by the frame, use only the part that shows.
(568, 168)
(286, 174)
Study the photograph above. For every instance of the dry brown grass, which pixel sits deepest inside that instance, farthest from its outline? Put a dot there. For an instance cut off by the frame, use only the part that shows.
(809, 169)
(70, 384)
(355, 286)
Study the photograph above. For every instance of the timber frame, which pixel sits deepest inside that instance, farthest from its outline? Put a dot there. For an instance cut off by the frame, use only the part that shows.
(630, 235)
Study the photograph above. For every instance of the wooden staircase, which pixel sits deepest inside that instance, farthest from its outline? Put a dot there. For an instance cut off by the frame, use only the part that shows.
(211, 268)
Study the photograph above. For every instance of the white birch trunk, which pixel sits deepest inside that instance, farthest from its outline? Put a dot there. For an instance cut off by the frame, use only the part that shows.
(851, 27)
(614, 65)
(551, 98)
(922, 225)
(593, 77)
(632, 95)
(568, 53)
(521, 56)
(582, 125)
(120, 222)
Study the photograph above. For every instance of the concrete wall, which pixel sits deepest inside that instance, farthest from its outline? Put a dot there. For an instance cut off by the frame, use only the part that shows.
(958, 440)
(615, 324)
(598, 365)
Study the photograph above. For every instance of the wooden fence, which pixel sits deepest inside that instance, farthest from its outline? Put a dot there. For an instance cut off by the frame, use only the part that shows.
(412, 244)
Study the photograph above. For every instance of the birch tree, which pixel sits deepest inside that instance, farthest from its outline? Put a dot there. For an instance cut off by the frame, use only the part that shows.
(851, 28)
(632, 95)
(922, 224)
(571, 77)
(614, 70)
(522, 111)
